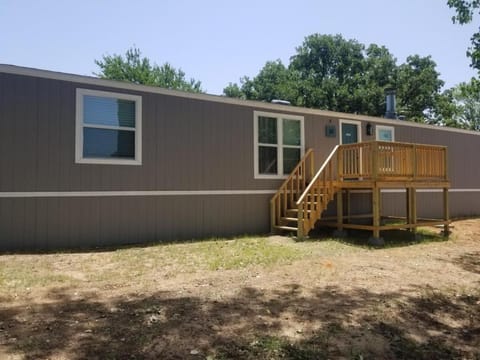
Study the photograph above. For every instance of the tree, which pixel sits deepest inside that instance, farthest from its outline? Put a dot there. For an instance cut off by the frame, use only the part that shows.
(380, 74)
(332, 73)
(466, 97)
(465, 10)
(459, 106)
(418, 87)
(329, 69)
(137, 69)
(274, 81)
(234, 91)
(445, 112)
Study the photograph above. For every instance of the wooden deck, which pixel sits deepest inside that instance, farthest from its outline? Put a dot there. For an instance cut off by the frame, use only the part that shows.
(372, 166)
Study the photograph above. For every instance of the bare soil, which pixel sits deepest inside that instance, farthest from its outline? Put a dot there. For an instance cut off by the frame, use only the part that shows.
(337, 300)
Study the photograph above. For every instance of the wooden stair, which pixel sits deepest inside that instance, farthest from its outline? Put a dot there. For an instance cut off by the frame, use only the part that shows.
(289, 222)
(302, 198)
(373, 166)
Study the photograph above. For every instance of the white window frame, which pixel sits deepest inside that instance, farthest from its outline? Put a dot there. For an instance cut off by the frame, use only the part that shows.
(279, 146)
(379, 128)
(79, 125)
(388, 165)
(359, 137)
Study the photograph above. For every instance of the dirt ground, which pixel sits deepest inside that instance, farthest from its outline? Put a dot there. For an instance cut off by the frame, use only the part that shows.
(337, 300)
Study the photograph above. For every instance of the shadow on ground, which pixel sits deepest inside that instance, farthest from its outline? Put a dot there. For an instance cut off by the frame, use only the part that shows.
(469, 262)
(392, 238)
(289, 323)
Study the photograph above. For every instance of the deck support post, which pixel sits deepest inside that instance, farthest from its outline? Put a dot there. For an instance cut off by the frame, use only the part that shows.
(272, 216)
(446, 213)
(300, 233)
(376, 240)
(376, 211)
(340, 210)
(408, 201)
(348, 205)
(412, 208)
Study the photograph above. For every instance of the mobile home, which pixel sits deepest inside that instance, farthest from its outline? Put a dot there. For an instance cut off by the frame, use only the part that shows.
(92, 162)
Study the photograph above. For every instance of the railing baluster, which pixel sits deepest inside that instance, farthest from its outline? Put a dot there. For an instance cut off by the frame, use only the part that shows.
(291, 193)
(291, 188)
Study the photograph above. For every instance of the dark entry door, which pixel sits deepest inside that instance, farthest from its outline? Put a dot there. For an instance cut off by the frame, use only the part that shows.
(349, 133)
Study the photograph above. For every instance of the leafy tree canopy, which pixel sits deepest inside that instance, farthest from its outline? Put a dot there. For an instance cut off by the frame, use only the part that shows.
(465, 105)
(465, 11)
(333, 73)
(418, 87)
(137, 69)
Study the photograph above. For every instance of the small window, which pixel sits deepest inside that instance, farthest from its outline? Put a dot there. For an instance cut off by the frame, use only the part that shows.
(108, 128)
(279, 144)
(385, 133)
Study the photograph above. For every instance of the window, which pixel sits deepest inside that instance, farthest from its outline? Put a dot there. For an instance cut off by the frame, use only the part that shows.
(108, 128)
(385, 133)
(386, 163)
(279, 144)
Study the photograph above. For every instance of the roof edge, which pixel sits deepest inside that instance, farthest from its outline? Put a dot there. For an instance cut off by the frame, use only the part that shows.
(91, 80)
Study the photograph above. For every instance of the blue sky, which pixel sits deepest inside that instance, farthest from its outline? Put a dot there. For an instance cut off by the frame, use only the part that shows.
(218, 42)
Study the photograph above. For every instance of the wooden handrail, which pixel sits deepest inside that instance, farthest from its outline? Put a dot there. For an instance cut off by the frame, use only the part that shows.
(379, 159)
(291, 188)
(314, 199)
(317, 175)
(300, 164)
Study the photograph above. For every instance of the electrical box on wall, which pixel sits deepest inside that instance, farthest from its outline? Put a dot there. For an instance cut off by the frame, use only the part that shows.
(330, 130)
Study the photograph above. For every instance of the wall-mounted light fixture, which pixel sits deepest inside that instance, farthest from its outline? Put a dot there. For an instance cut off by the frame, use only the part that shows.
(369, 129)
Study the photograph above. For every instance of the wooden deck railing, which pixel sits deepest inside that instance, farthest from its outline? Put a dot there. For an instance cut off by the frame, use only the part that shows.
(319, 192)
(379, 160)
(304, 195)
(292, 187)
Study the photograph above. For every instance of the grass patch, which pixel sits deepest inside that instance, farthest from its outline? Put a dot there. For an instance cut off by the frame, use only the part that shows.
(27, 272)
(241, 253)
(215, 254)
(125, 265)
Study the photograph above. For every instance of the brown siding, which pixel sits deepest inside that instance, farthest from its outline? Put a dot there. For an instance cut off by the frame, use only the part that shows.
(52, 223)
(187, 144)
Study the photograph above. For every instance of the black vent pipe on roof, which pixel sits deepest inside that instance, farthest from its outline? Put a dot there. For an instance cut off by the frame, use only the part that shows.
(390, 99)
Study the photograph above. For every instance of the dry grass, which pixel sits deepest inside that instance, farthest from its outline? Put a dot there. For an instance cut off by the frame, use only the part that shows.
(120, 266)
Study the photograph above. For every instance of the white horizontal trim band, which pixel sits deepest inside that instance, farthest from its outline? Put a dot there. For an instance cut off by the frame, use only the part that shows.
(42, 194)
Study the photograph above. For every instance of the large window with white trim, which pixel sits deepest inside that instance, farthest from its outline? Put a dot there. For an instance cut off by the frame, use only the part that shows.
(279, 144)
(108, 128)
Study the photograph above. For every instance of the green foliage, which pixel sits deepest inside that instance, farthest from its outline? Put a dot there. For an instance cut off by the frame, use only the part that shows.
(459, 106)
(137, 69)
(274, 81)
(333, 73)
(467, 99)
(234, 91)
(418, 87)
(465, 11)
(330, 69)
